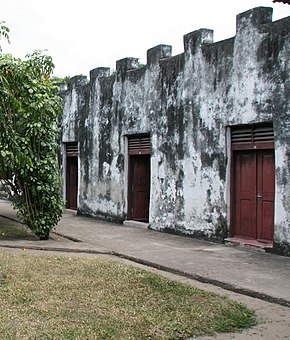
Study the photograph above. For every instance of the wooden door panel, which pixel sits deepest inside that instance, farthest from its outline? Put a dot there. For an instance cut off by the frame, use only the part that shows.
(265, 195)
(140, 206)
(140, 187)
(245, 218)
(72, 182)
(266, 225)
(267, 170)
(247, 165)
(245, 202)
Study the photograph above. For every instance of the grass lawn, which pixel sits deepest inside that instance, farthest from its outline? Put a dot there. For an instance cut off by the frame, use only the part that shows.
(9, 232)
(62, 297)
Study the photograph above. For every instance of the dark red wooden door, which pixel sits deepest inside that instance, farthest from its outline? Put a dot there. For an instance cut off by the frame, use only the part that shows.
(265, 194)
(254, 194)
(71, 182)
(245, 202)
(140, 187)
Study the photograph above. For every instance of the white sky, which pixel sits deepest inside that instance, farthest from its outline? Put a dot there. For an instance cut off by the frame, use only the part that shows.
(85, 34)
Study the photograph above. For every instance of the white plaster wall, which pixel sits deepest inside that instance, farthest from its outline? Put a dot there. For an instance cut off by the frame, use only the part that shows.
(69, 117)
(282, 216)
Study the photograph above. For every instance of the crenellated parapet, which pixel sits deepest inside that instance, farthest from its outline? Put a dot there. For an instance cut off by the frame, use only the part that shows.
(255, 18)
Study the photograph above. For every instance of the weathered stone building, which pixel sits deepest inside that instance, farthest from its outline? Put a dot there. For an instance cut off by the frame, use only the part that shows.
(196, 143)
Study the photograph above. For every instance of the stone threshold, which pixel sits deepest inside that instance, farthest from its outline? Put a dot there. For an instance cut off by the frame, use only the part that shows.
(132, 223)
(239, 241)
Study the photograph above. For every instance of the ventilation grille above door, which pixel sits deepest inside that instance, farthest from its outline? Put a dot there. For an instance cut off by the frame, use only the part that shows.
(263, 134)
(139, 145)
(72, 149)
(253, 137)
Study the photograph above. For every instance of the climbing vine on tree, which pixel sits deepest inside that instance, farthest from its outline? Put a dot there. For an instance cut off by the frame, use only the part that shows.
(29, 110)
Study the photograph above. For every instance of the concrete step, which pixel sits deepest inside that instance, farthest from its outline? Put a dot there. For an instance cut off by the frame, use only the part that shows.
(238, 241)
(132, 223)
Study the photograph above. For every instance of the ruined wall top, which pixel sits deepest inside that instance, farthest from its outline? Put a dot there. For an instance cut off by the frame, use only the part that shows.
(257, 18)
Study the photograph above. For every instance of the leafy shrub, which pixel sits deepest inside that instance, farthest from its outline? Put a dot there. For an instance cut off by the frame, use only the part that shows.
(29, 110)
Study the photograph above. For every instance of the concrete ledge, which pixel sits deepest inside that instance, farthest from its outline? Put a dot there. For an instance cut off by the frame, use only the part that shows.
(132, 223)
(62, 248)
(70, 211)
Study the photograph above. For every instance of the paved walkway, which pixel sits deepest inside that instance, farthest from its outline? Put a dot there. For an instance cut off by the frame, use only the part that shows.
(245, 271)
(250, 272)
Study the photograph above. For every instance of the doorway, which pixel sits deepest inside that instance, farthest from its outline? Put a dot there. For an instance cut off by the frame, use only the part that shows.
(254, 194)
(253, 183)
(71, 176)
(139, 173)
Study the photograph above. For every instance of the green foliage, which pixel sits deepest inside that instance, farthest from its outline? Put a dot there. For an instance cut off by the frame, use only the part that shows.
(29, 109)
(4, 31)
(59, 80)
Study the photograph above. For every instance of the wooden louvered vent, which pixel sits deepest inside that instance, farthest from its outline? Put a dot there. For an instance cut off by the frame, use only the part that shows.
(253, 137)
(72, 149)
(140, 145)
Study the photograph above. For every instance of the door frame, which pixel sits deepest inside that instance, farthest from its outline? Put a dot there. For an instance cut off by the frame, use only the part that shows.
(137, 145)
(131, 203)
(71, 152)
(238, 143)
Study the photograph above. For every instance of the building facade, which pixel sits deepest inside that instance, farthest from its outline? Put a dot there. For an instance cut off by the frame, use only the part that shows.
(196, 143)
